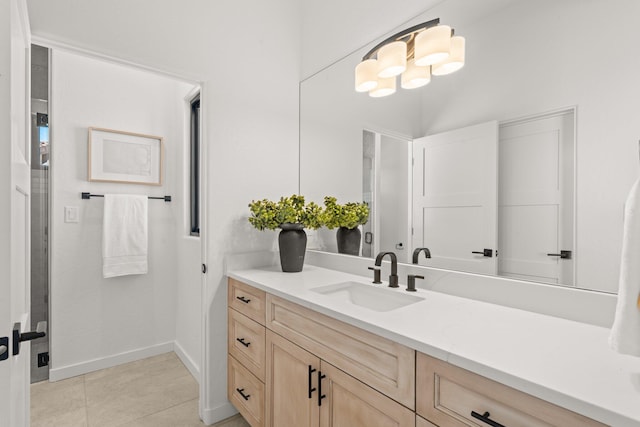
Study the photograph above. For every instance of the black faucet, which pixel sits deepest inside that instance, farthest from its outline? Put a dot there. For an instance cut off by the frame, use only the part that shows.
(411, 282)
(393, 277)
(427, 254)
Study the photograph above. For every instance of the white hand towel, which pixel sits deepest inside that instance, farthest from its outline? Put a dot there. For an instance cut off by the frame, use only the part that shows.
(124, 235)
(625, 333)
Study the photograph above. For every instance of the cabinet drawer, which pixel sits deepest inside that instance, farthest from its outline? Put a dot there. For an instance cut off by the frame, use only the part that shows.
(446, 395)
(245, 392)
(381, 363)
(245, 342)
(246, 300)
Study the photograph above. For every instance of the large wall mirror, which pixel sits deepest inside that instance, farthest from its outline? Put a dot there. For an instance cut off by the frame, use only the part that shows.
(539, 131)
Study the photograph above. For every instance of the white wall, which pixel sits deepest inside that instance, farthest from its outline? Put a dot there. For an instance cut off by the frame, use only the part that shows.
(95, 320)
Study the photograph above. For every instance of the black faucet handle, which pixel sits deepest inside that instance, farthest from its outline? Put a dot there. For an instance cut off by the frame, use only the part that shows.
(376, 274)
(411, 282)
(393, 281)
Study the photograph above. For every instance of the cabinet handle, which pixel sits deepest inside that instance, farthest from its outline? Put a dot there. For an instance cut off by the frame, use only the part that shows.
(311, 390)
(244, 300)
(320, 395)
(245, 396)
(241, 341)
(485, 418)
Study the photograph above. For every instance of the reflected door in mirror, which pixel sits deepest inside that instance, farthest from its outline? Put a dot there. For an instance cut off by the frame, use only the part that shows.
(536, 198)
(455, 198)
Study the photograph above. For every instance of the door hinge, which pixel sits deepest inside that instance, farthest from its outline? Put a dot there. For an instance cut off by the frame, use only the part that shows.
(204, 268)
(4, 348)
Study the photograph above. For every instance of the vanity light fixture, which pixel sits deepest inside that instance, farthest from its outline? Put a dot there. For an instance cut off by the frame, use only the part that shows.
(416, 54)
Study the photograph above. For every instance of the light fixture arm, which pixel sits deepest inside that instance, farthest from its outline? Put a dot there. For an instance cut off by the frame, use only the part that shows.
(402, 34)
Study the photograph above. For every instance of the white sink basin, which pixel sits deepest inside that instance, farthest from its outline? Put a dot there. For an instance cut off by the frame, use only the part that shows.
(367, 296)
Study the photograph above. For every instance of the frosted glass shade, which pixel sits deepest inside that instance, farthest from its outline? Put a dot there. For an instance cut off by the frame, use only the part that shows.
(433, 45)
(392, 59)
(455, 61)
(366, 75)
(415, 76)
(385, 87)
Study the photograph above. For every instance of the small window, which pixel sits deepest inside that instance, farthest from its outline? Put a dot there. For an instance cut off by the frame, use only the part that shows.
(194, 167)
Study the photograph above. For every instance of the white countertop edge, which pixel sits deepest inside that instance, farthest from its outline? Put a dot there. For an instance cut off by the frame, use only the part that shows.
(589, 409)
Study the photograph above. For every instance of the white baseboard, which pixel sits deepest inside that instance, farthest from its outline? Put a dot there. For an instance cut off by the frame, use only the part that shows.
(187, 361)
(64, 372)
(222, 412)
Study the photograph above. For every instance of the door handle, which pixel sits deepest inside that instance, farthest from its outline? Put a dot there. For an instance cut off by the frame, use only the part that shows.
(311, 389)
(41, 331)
(562, 254)
(485, 252)
(321, 396)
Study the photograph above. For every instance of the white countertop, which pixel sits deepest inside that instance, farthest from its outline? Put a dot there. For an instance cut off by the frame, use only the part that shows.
(564, 362)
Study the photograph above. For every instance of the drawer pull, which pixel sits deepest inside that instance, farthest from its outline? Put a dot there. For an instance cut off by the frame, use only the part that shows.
(485, 418)
(311, 390)
(244, 300)
(245, 396)
(242, 341)
(320, 395)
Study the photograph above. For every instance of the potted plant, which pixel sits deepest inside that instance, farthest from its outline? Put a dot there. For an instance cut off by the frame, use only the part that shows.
(346, 218)
(292, 216)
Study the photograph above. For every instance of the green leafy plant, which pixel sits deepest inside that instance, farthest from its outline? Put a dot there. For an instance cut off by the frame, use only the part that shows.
(349, 215)
(269, 215)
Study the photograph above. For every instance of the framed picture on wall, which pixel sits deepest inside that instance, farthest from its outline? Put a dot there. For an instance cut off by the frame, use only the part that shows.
(124, 157)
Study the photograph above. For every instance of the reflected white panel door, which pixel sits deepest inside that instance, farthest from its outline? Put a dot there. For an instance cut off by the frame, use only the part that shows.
(455, 198)
(14, 209)
(536, 198)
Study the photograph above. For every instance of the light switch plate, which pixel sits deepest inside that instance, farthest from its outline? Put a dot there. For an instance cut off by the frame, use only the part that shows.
(71, 214)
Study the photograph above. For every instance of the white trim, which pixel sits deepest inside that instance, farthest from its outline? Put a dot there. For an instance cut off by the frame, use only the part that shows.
(187, 361)
(219, 413)
(58, 45)
(205, 382)
(57, 374)
(26, 27)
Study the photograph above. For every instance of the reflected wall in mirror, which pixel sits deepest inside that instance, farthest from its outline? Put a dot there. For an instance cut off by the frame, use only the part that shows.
(524, 59)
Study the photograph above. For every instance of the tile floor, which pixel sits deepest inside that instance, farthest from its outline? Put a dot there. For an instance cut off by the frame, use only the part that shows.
(154, 392)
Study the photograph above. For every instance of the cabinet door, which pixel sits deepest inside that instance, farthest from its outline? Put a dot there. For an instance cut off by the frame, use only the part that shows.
(350, 403)
(292, 375)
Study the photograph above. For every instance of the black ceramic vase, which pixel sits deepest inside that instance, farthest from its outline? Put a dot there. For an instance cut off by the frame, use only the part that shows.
(293, 244)
(348, 240)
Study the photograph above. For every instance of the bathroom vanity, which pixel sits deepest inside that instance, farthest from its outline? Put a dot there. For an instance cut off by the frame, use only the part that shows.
(323, 347)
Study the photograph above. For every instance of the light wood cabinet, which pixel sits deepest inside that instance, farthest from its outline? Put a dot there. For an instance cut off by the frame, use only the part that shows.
(246, 392)
(450, 396)
(246, 347)
(304, 391)
(247, 300)
(245, 342)
(349, 402)
(289, 366)
(385, 365)
(291, 384)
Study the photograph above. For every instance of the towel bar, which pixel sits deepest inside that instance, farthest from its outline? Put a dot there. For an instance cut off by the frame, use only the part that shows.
(87, 196)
